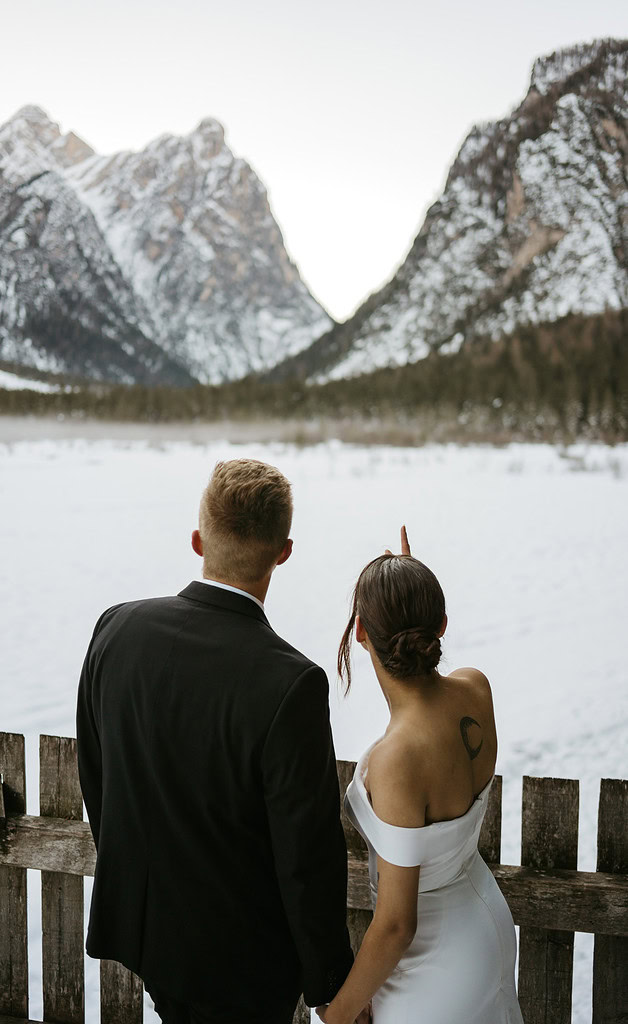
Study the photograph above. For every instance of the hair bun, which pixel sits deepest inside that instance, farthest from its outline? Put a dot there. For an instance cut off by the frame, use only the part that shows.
(413, 652)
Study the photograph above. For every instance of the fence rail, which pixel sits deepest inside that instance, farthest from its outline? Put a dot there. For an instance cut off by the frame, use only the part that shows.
(547, 895)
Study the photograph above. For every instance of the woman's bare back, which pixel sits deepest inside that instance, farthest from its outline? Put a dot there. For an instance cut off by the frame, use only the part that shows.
(448, 743)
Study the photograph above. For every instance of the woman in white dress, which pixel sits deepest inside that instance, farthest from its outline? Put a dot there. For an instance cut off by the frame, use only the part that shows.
(441, 947)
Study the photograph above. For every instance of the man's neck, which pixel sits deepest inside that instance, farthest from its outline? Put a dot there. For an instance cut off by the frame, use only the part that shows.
(259, 589)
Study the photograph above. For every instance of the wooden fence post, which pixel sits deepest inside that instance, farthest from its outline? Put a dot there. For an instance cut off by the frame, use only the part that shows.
(302, 1013)
(121, 995)
(610, 953)
(358, 920)
(13, 919)
(490, 841)
(61, 894)
(549, 839)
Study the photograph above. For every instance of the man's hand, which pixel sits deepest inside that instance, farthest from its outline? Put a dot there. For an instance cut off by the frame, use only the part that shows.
(321, 1011)
(405, 547)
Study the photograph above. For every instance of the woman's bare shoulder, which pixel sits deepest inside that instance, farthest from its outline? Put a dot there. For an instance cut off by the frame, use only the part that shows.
(472, 678)
(395, 780)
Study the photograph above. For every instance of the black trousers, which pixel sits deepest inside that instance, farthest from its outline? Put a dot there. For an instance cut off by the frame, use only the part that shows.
(172, 1011)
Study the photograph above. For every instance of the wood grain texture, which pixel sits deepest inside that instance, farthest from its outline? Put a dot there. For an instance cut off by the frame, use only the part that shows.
(359, 887)
(48, 844)
(355, 843)
(610, 954)
(584, 901)
(549, 839)
(61, 893)
(575, 901)
(13, 919)
(490, 841)
(547, 889)
(359, 900)
(121, 995)
(302, 1013)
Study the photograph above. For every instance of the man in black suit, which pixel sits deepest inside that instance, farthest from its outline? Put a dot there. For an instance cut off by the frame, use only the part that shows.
(209, 776)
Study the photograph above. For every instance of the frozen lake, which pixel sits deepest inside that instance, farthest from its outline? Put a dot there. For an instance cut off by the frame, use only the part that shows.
(529, 543)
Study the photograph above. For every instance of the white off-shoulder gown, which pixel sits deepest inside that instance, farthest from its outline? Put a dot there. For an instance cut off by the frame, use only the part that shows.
(460, 966)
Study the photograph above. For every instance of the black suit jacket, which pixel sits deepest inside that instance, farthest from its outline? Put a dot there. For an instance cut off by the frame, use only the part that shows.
(209, 776)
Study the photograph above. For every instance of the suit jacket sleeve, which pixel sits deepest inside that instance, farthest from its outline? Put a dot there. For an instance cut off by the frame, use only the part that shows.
(303, 806)
(88, 739)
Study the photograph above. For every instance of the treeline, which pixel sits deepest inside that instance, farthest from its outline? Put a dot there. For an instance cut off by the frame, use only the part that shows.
(554, 382)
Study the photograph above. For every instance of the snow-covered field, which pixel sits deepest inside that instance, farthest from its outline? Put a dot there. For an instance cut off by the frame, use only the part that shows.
(529, 542)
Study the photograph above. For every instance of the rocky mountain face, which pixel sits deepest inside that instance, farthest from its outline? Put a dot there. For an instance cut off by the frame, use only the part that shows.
(532, 226)
(162, 266)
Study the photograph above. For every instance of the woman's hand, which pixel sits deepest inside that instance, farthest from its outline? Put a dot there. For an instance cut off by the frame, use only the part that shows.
(364, 1017)
(405, 543)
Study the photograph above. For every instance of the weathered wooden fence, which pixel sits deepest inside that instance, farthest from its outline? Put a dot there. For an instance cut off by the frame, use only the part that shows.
(548, 897)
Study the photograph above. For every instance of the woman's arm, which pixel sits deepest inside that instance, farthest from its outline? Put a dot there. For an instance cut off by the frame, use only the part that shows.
(388, 936)
(395, 799)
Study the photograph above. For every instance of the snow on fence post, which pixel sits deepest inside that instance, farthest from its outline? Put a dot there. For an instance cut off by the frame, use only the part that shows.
(13, 919)
(610, 952)
(61, 893)
(549, 839)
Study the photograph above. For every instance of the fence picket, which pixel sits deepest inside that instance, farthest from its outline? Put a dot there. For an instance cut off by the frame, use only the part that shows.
(549, 838)
(302, 1013)
(490, 841)
(358, 918)
(610, 952)
(547, 889)
(61, 894)
(13, 920)
(121, 994)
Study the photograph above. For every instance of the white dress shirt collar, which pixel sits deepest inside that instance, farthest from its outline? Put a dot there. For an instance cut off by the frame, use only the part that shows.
(234, 590)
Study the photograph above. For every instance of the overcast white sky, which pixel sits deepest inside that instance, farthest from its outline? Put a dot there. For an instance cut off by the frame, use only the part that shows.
(350, 110)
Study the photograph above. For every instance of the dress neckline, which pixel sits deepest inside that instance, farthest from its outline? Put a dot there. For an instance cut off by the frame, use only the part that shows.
(358, 778)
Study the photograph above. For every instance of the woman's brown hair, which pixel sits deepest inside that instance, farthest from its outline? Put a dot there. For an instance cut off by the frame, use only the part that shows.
(402, 607)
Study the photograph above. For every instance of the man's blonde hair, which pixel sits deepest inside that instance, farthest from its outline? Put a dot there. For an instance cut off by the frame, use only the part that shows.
(244, 520)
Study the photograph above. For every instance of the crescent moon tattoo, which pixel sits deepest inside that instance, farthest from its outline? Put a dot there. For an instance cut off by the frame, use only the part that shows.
(465, 724)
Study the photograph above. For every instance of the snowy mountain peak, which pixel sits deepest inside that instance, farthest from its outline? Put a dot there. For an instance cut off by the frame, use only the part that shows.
(31, 143)
(547, 71)
(35, 119)
(69, 149)
(171, 252)
(530, 227)
(210, 127)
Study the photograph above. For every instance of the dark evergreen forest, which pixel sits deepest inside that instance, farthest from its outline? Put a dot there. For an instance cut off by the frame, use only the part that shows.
(558, 381)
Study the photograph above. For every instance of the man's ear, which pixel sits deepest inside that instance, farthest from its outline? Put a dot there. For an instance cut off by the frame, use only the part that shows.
(443, 627)
(197, 543)
(285, 554)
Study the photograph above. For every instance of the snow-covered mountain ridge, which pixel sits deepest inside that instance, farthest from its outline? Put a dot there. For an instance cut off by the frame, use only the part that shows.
(163, 266)
(532, 226)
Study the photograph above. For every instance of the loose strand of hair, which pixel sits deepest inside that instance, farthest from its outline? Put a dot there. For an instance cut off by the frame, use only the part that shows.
(344, 651)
